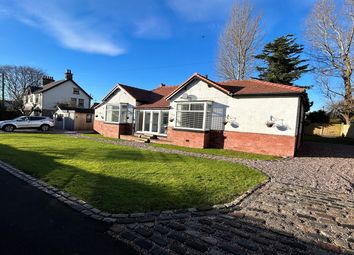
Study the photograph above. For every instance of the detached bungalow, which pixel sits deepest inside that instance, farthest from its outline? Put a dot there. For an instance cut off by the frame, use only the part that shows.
(250, 115)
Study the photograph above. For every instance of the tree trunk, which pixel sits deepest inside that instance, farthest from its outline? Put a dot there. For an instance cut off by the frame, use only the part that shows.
(346, 118)
(348, 98)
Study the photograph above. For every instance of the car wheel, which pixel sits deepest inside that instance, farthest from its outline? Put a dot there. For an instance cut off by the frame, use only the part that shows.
(45, 128)
(8, 128)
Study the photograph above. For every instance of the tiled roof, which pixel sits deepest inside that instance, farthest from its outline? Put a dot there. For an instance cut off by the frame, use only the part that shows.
(50, 86)
(161, 102)
(55, 84)
(77, 109)
(254, 87)
(244, 87)
(34, 89)
(158, 98)
(141, 95)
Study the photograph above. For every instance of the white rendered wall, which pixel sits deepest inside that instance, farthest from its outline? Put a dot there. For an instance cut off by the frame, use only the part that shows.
(120, 96)
(247, 114)
(63, 94)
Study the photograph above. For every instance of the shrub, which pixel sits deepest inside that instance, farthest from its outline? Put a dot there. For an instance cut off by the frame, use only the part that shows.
(319, 116)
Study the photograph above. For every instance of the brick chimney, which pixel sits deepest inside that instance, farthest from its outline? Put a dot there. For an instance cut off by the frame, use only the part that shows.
(47, 79)
(162, 85)
(68, 75)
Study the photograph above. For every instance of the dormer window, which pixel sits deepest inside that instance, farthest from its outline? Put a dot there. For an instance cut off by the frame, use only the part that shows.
(76, 91)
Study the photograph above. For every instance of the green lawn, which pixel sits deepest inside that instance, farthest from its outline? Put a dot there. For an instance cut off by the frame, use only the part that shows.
(336, 140)
(124, 179)
(211, 151)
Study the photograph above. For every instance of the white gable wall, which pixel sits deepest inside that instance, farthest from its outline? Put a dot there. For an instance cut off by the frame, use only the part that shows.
(120, 96)
(248, 113)
(63, 94)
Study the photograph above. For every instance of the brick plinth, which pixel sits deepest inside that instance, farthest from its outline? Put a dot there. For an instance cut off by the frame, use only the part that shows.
(278, 145)
(112, 130)
(188, 138)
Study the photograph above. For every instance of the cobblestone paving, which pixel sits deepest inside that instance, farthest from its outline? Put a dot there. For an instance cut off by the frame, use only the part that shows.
(322, 166)
(308, 208)
(277, 219)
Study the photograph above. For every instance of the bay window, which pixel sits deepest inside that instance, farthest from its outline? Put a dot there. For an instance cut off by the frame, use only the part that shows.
(116, 113)
(193, 115)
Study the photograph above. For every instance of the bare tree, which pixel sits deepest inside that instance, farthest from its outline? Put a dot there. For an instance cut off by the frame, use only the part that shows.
(239, 41)
(17, 80)
(330, 31)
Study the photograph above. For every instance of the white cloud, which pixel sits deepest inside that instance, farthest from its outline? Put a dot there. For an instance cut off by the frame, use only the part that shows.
(200, 10)
(152, 27)
(71, 31)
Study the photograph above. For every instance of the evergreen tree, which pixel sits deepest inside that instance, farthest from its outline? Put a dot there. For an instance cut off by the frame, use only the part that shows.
(282, 61)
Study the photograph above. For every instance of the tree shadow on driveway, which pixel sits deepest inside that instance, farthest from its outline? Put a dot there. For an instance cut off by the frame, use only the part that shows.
(316, 149)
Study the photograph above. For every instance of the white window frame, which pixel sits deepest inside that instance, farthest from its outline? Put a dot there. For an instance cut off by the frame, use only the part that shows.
(83, 103)
(150, 124)
(76, 89)
(119, 113)
(205, 112)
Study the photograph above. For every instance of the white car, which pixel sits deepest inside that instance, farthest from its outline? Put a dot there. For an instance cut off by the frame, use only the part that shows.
(29, 122)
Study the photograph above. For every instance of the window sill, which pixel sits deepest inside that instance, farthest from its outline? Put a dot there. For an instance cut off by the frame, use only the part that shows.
(115, 123)
(190, 129)
(150, 133)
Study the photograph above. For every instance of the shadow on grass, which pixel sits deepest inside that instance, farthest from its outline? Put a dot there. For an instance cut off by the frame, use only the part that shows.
(108, 193)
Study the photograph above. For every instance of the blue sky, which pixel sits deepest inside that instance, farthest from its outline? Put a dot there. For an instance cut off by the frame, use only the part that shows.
(136, 42)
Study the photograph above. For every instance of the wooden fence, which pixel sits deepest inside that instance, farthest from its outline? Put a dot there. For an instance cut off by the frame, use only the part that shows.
(329, 130)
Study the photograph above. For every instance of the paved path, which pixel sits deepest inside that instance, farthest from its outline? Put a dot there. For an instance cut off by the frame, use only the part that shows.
(328, 167)
(31, 222)
(277, 219)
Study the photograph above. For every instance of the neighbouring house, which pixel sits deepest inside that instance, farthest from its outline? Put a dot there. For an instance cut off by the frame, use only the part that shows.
(250, 115)
(43, 100)
(73, 118)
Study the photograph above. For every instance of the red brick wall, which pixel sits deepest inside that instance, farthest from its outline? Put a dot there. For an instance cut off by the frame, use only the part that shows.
(194, 139)
(112, 130)
(278, 145)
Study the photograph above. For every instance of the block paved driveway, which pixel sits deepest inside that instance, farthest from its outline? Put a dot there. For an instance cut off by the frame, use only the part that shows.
(307, 208)
(31, 222)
